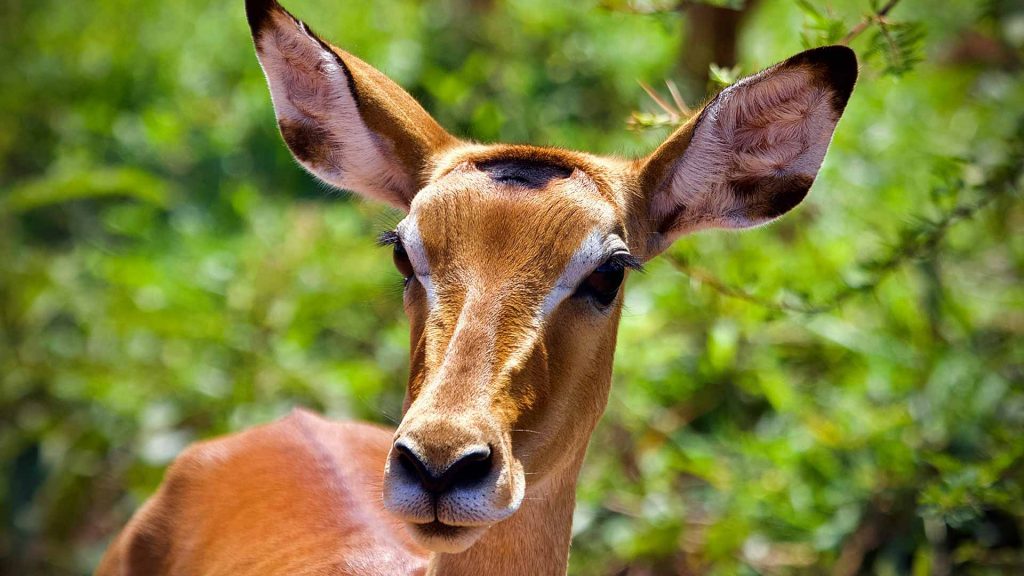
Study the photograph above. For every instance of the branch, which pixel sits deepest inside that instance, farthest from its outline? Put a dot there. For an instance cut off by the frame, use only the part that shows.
(868, 21)
(916, 242)
(705, 277)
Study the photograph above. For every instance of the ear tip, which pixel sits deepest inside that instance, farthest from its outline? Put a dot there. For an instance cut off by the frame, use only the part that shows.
(257, 12)
(837, 66)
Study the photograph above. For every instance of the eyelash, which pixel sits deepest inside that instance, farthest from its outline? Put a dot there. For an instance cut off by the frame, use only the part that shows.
(602, 286)
(388, 238)
(624, 261)
(399, 255)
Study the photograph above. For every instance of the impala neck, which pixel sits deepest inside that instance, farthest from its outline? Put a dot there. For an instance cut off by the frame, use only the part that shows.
(535, 540)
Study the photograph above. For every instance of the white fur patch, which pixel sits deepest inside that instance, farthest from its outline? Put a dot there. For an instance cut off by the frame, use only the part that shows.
(409, 231)
(595, 247)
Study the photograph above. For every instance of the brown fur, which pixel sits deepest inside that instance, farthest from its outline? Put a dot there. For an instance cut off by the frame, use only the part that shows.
(299, 496)
(503, 355)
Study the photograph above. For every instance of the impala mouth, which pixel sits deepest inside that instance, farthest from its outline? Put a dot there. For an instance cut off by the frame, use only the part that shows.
(440, 537)
(439, 529)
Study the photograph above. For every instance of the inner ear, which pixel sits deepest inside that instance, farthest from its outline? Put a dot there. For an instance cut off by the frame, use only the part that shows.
(752, 154)
(342, 119)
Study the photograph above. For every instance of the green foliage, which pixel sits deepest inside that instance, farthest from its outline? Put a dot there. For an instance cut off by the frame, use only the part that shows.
(843, 388)
(653, 6)
(820, 28)
(721, 77)
(899, 44)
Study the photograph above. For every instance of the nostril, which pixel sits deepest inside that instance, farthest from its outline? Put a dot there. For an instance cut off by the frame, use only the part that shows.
(408, 462)
(472, 467)
(414, 466)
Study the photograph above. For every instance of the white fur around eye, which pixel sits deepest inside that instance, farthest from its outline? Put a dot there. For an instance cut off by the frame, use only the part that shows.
(595, 247)
(409, 231)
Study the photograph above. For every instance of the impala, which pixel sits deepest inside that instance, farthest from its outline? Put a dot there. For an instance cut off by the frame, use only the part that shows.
(514, 258)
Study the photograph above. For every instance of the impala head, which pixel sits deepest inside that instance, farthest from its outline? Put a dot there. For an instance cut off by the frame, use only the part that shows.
(514, 256)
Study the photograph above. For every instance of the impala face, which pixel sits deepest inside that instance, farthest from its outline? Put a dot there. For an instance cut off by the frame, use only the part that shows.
(514, 256)
(496, 249)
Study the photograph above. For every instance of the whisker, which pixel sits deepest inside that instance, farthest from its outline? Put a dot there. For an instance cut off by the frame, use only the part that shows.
(388, 417)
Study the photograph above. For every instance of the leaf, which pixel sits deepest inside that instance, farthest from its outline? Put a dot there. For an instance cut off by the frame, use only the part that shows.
(96, 183)
(819, 28)
(810, 11)
(731, 4)
(899, 44)
(720, 77)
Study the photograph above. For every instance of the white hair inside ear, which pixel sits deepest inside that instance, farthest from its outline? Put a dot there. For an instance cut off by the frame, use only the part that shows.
(344, 121)
(755, 150)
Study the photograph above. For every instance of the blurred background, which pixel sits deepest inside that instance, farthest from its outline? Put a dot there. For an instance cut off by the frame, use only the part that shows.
(839, 393)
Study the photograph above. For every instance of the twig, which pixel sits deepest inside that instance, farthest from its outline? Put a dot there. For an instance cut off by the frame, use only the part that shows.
(713, 282)
(909, 250)
(678, 99)
(868, 21)
(659, 101)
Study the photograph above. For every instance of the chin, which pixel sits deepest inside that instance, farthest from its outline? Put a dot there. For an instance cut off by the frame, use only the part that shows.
(444, 538)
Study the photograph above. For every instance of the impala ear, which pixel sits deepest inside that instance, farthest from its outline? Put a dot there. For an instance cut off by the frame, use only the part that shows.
(752, 154)
(343, 120)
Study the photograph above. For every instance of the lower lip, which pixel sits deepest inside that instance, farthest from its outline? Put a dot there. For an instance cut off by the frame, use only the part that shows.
(438, 529)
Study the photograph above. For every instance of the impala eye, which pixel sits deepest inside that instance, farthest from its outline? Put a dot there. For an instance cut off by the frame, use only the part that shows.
(401, 258)
(603, 283)
(399, 255)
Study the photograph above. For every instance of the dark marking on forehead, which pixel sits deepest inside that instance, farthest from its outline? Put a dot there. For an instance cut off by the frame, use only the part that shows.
(534, 174)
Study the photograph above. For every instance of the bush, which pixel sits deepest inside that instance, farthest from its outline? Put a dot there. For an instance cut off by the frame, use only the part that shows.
(838, 392)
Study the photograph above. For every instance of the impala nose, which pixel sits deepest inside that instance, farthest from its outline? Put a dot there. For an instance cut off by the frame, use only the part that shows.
(469, 468)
